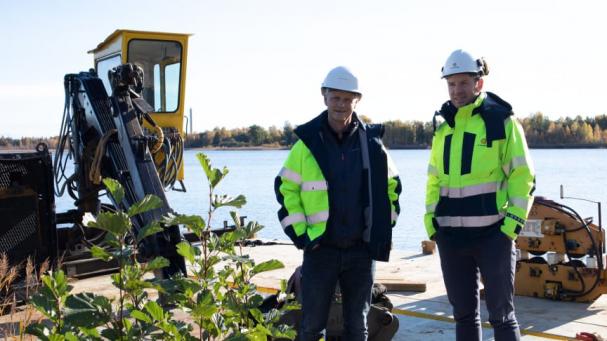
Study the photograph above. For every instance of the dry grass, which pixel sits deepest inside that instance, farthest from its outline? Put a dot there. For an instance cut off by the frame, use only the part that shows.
(17, 284)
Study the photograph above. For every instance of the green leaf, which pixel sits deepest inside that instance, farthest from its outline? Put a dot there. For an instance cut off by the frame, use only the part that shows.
(291, 305)
(257, 314)
(116, 223)
(188, 251)
(115, 188)
(193, 223)
(255, 301)
(272, 264)
(236, 219)
(218, 321)
(155, 310)
(284, 331)
(128, 324)
(149, 230)
(244, 259)
(251, 229)
(86, 310)
(111, 334)
(44, 302)
(141, 316)
(69, 336)
(205, 162)
(272, 316)
(205, 305)
(137, 285)
(157, 263)
(189, 287)
(100, 253)
(184, 329)
(111, 240)
(224, 200)
(148, 203)
(168, 328)
(214, 175)
(117, 280)
(263, 331)
(228, 239)
(39, 330)
(182, 219)
(213, 242)
(55, 285)
(62, 284)
(92, 333)
(47, 280)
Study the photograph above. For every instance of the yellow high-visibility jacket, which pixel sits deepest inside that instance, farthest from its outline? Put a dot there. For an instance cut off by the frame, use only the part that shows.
(301, 190)
(480, 172)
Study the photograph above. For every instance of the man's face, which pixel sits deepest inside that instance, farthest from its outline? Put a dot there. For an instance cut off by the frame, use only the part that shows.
(340, 104)
(463, 88)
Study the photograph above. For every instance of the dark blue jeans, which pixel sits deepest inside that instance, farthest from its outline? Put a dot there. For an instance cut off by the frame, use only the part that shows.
(322, 269)
(495, 257)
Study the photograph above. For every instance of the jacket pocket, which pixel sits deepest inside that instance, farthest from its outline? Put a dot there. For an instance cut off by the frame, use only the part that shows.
(485, 160)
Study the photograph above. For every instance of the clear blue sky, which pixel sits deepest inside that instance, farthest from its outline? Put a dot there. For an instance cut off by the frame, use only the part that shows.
(263, 61)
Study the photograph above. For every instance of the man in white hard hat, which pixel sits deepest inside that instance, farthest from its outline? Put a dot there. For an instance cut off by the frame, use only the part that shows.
(478, 195)
(338, 192)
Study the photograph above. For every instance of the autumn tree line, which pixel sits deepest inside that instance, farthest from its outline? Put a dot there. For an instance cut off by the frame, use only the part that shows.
(27, 143)
(541, 132)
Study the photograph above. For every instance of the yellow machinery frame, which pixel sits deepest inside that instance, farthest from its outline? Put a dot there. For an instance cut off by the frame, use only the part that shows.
(557, 232)
(117, 43)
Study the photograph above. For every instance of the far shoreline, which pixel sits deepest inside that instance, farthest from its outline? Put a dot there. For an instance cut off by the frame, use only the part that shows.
(4, 150)
(406, 147)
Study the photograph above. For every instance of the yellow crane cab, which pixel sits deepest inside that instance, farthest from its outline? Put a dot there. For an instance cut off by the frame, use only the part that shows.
(163, 58)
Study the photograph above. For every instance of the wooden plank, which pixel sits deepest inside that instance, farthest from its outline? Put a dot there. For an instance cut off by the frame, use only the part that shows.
(402, 285)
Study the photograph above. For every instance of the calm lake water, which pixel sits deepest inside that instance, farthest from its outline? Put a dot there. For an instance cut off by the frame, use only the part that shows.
(583, 172)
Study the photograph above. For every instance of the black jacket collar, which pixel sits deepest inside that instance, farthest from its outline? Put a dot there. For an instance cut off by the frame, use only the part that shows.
(312, 127)
(493, 111)
(310, 133)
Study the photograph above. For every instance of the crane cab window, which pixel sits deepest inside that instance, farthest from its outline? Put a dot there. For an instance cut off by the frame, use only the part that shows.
(161, 64)
(103, 66)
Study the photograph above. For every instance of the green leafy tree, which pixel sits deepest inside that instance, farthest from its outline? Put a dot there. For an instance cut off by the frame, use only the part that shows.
(288, 135)
(132, 315)
(258, 135)
(220, 296)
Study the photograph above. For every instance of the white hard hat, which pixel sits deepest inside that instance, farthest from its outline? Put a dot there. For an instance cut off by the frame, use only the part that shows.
(461, 61)
(341, 78)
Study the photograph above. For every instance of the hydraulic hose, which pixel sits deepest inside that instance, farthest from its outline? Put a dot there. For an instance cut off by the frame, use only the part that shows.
(60, 162)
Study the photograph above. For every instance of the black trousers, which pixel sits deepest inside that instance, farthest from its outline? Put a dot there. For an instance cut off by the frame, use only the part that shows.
(494, 258)
(322, 269)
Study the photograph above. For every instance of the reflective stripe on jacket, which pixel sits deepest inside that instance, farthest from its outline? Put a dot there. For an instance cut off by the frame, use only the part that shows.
(305, 200)
(475, 181)
(301, 190)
